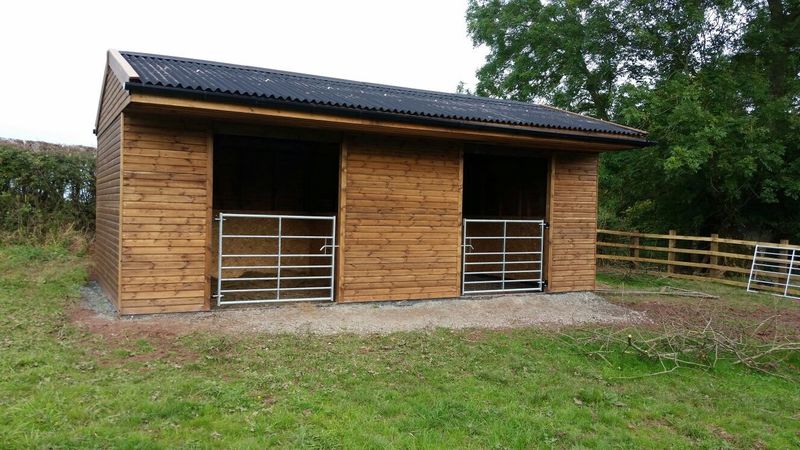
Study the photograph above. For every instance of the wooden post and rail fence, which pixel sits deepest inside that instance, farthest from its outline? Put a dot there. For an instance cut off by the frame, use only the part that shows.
(726, 261)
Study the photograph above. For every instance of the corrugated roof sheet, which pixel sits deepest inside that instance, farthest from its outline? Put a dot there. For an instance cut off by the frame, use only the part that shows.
(214, 77)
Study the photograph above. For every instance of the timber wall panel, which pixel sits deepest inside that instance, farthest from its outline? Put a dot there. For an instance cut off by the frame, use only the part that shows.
(165, 216)
(114, 99)
(573, 222)
(107, 184)
(401, 218)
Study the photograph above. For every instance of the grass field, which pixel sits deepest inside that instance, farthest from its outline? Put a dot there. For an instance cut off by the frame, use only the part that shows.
(64, 386)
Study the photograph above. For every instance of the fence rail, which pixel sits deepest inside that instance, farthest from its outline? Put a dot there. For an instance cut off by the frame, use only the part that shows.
(726, 261)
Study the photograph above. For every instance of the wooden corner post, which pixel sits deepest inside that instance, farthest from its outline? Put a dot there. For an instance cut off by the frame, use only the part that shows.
(209, 218)
(461, 243)
(547, 256)
(340, 223)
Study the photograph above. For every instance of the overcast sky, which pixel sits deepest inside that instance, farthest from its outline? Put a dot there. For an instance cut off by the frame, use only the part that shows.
(53, 52)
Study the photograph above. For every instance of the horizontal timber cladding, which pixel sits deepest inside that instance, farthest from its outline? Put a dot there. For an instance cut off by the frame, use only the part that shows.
(166, 191)
(573, 222)
(400, 213)
(107, 185)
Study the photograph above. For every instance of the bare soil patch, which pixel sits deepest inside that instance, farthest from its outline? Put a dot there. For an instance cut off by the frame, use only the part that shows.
(726, 317)
(161, 339)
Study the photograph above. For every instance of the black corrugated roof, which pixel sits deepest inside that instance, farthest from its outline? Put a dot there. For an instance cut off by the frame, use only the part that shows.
(215, 77)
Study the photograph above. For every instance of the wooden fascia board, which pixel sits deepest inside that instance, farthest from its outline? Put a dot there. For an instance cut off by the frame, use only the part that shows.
(121, 67)
(124, 73)
(289, 117)
(100, 100)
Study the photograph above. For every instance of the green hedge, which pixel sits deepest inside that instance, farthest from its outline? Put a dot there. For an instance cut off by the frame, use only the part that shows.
(42, 192)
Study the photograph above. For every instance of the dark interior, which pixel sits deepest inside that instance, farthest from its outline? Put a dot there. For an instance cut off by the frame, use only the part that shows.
(503, 186)
(257, 174)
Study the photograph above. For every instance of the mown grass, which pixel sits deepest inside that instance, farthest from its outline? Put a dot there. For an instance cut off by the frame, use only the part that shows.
(61, 386)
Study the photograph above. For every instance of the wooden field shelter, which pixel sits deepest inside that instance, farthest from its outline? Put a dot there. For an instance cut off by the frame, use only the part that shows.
(220, 184)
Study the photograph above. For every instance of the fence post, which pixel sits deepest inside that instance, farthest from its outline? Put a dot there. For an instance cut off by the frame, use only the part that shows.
(785, 242)
(671, 253)
(788, 256)
(714, 259)
(633, 251)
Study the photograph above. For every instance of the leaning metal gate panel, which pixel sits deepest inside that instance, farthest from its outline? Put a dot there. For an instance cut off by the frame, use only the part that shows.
(262, 258)
(502, 256)
(775, 269)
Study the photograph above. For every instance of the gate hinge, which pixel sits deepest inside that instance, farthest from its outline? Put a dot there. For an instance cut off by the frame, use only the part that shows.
(544, 284)
(546, 225)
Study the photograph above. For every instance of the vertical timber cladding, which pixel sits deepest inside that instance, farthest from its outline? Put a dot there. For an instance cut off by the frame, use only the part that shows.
(573, 222)
(107, 185)
(165, 216)
(401, 219)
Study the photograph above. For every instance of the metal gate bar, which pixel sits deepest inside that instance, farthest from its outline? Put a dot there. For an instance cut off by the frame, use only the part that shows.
(503, 283)
(277, 262)
(776, 270)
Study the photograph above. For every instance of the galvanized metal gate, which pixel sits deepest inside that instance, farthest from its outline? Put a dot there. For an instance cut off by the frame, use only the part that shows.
(273, 264)
(775, 269)
(502, 256)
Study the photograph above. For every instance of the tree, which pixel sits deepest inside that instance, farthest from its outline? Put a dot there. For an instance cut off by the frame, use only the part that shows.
(565, 52)
(715, 83)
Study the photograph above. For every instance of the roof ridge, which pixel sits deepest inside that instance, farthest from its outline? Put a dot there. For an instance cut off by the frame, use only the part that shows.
(356, 83)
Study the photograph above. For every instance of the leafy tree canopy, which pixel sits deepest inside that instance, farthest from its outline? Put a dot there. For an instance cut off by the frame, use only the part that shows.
(715, 82)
